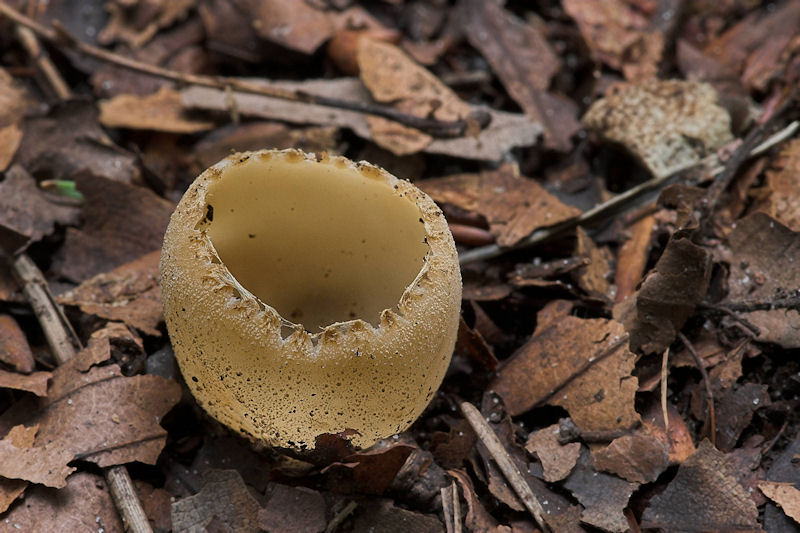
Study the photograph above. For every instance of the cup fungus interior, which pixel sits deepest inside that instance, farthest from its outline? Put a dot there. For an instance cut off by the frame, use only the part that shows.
(319, 243)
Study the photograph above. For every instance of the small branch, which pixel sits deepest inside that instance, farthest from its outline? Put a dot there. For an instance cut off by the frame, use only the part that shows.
(664, 374)
(707, 382)
(31, 44)
(341, 516)
(64, 343)
(504, 462)
(456, 508)
(712, 308)
(791, 301)
(619, 203)
(59, 36)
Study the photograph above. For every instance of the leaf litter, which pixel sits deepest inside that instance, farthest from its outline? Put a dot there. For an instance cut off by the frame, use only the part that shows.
(575, 349)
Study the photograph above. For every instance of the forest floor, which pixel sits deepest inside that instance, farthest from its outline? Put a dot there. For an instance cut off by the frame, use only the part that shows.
(622, 181)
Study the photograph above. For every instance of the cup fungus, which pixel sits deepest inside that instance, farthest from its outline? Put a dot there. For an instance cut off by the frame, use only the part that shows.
(309, 295)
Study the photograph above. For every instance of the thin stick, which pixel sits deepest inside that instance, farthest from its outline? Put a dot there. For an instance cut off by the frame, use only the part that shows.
(341, 516)
(447, 509)
(456, 508)
(59, 36)
(664, 374)
(64, 344)
(504, 462)
(31, 44)
(618, 203)
(707, 382)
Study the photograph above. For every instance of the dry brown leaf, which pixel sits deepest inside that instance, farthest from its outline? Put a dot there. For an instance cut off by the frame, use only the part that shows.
(478, 518)
(667, 297)
(681, 446)
(734, 412)
(703, 496)
(392, 77)
(121, 223)
(557, 459)
(15, 100)
(85, 504)
(665, 124)
(160, 111)
(10, 137)
(593, 276)
(11, 489)
(136, 23)
(29, 211)
(505, 131)
(632, 258)
(14, 348)
(224, 496)
(513, 205)
(296, 25)
(35, 382)
(757, 46)
(525, 63)
(783, 470)
(581, 365)
(619, 35)
(369, 472)
(98, 416)
(781, 199)
(639, 457)
(69, 139)
(603, 496)
(784, 494)
(763, 259)
(129, 293)
(293, 510)
(382, 516)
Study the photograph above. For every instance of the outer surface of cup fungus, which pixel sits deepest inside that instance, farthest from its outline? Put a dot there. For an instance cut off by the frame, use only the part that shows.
(309, 296)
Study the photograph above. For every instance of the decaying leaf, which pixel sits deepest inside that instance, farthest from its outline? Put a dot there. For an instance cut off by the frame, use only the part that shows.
(639, 457)
(11, 489)
(619, 35)
(293, 510)
(10, 137)
(784, 494)
(764, 256)
(382, 516)
(14, 348)
(779, 194)
(224, 496)
(667, 297)
(703, 496)
(129, 293)
(785, 469)
(135, 24)
(69, 139)
(84, 504)
(665, 124)
(121, 222)
(734, 412)
(525, 62)
(29, 211)
(505, 131)
(513, 205)
(160, 111)
(392, 77)
(603, 496)
(557, 459)
(758, 46)
(298, 26)
(369, 472)
(593, 276)
(75, 420)
(583, 365)
(35, 382)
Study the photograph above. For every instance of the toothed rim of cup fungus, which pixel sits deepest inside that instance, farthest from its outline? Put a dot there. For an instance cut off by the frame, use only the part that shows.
(309, 295)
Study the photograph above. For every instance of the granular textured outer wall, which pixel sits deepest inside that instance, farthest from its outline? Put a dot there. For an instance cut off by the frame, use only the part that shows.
(267, 376)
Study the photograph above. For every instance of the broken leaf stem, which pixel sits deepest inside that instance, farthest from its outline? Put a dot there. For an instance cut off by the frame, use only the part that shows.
(58, 35)
(620, 202)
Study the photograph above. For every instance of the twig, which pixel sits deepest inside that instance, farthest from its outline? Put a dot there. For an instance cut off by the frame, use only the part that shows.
(504, 462)
(59, 36)
(707, 382)
(743, 152)
(31, 44)
(341, 516)
(456, 508)
(716, 308)
(791, 301)
(64, 344)
(618, 203)
(664, 374)
(447, 509)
